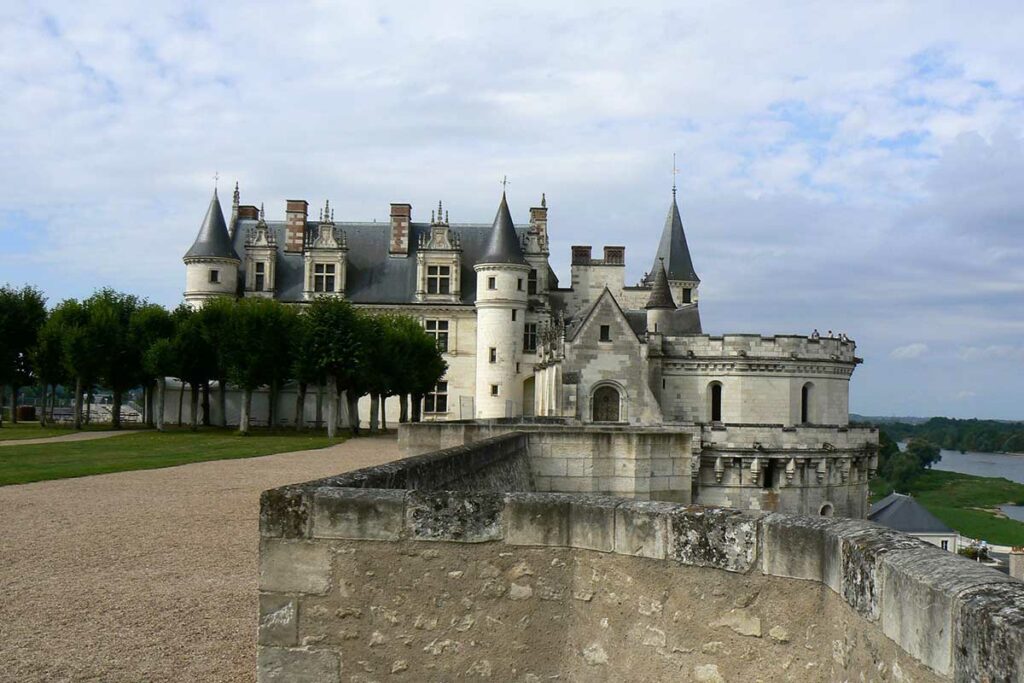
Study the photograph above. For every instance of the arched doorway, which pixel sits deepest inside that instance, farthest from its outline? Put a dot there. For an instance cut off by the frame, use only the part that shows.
(529, 397)
(606, 404)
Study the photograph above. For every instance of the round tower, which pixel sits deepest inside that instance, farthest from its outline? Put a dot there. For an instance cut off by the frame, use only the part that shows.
(211, 264)
(660, 305)
(501, 275)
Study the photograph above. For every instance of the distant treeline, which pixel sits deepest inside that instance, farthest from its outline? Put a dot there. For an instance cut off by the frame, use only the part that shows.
(989, 436)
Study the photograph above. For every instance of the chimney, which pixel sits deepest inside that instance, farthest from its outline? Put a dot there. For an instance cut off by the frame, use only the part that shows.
(248, 213)
(401, 217)
(615, 256)
(539, 221)
(295, 212)
(581, 255)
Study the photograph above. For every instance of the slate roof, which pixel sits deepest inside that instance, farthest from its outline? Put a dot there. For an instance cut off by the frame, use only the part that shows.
(373, 276)
(673, 248)
(213, 240)
(661, 295)
(903, 513)
(504, 245)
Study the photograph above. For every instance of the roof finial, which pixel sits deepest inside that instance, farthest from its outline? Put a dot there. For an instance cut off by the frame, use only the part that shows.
(237, 196)
(446, 216)
(433, 218)
(543, 201)
(675, 172)
(262, 215)
(216, 177)
(504, 184)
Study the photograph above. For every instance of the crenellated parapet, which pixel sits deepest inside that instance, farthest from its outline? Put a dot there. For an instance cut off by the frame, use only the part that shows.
(755, 346)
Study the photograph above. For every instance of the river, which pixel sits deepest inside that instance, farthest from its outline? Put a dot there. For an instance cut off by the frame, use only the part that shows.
(987, 465)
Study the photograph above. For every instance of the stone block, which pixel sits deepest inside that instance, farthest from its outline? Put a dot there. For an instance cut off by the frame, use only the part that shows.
(861, 551)
(279, 622)
(362, 514)
(580, 467)
(295, 566)
(802, 547)
(988, 633)
(641, 528)
(592, 523)
(280, 665)
(714, 537)
(919, 588)
(549, 467)
(537, 519)
(284, 512)
(461, 516)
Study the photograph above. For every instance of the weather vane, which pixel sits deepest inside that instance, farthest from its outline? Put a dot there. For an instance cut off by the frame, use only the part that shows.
(675, 172)
(216, 177)
(504, 183)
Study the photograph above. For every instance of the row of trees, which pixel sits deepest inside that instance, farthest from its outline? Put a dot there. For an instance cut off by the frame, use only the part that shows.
(121, 342)
(901, 467)
(987, 436)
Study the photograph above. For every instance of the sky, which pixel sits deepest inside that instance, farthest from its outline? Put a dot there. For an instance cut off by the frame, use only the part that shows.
(855, 167)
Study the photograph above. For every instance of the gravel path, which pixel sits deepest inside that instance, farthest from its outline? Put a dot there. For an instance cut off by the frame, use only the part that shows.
(77, 436)
(144, 576)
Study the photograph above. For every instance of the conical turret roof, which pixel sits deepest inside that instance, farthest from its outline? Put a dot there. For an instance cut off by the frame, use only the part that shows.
(673, 248)
(661, 295)
(503, 246)
(213, 240)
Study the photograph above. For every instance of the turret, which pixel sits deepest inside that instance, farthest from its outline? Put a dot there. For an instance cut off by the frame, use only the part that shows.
(660, 304)
(501, 275)
(211, 263)
(674, 252)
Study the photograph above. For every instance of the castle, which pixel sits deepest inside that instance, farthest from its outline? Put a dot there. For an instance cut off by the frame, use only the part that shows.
(767, 415)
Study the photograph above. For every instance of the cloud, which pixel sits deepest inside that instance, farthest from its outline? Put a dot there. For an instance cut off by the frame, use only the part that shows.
(910, 351)
(993, 352)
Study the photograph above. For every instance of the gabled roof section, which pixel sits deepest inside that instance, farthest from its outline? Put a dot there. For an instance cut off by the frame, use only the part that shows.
(213, 240)
(503, 246)
(903, 513)
(581, 322)
(673, 248)
(661, 295)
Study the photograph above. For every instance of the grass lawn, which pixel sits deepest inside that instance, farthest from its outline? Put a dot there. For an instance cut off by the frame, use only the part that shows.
(145, 450)
(32, 430)
(952, 497)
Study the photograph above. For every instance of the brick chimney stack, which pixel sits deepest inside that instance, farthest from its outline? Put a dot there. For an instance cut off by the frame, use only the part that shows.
(401, 218)
(539, 221)
(296, 211)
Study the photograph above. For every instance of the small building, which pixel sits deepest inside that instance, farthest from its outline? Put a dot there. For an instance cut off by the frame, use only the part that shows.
(901, 512)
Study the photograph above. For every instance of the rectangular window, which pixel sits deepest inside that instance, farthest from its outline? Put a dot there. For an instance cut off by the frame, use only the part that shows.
(514, 315)
(436, 401)
(606, 333)
(261, 276)
(530, 337)
(519, 284)
(493, 355)
(323, 277)
(214, 277)
(439, 279)
(531, 282)
(687, 295)
(492, 283)
(494, 390)
(438, 329)
(945, 545)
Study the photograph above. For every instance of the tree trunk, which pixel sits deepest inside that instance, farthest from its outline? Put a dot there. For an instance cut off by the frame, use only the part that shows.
(271, 403)
(78, 403)
(181, 399)
(300, 408)
(222, 395)
(403, 404)
(44, 390)
(353, 412)
(417, 403)
(193, 406)
(319, 405)
(2, 405)
(115, 413)
(148, 403)
(88, 405)
(14, 404)
(374, 410)
(243, 420)
(206, 403)
(53, 401)
(383, 412)
(161, 390)
(332, 406)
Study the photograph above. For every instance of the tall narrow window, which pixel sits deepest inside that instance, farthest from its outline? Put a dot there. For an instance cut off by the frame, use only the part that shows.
(438, 329)
(439, 279)
(261, 276)
(519, 284)
(514, 311)
(493, 355)
(716, 402)
(214, 277)
(531, 282)
(805, 403)
(687, 295)
(769, 474)
(436, 401)
(494, 390)
(530, 337)
(492, 283)
(323, 277)
(606, 332)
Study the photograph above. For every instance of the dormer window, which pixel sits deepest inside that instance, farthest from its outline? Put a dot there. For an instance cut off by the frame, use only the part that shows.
(492, 283)
(260, 282)
(439, 279)
(531, 282)
(687, 295)
(323, 277)
(214, 277)
(606, 333)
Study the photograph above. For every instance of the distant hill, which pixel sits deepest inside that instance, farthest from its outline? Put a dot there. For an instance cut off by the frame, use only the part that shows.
(880, 420)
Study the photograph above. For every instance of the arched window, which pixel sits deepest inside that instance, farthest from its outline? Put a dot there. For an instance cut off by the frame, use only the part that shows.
(806, 393)
(715, 399)
(606, 404)
(826, 510)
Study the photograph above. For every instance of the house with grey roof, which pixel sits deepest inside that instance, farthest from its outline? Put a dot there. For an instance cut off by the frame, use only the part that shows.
(768, 413)
(901, 512)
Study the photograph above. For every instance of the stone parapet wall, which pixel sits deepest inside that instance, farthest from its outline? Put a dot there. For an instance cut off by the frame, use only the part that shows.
(757, 346)
(359, 585)
(735, 437)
